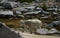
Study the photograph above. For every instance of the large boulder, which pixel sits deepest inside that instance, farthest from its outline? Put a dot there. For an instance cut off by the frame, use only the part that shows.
(55, 24)
(6, 32)
(7, 5)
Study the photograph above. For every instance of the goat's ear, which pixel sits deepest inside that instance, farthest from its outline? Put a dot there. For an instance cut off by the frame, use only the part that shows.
(1, 25)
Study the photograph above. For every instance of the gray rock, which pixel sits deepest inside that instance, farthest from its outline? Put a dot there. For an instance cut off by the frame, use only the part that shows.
(6, 32)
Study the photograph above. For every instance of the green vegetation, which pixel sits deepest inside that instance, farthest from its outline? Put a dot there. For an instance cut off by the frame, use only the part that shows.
(44, 7)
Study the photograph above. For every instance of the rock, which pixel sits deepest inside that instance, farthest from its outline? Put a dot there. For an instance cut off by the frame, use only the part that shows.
(6, 32)
(42, 31)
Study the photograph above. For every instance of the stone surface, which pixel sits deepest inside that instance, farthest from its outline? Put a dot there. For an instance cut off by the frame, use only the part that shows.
(6, 32)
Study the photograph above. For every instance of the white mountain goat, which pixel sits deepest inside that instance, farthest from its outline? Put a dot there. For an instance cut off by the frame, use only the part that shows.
(32, 24)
